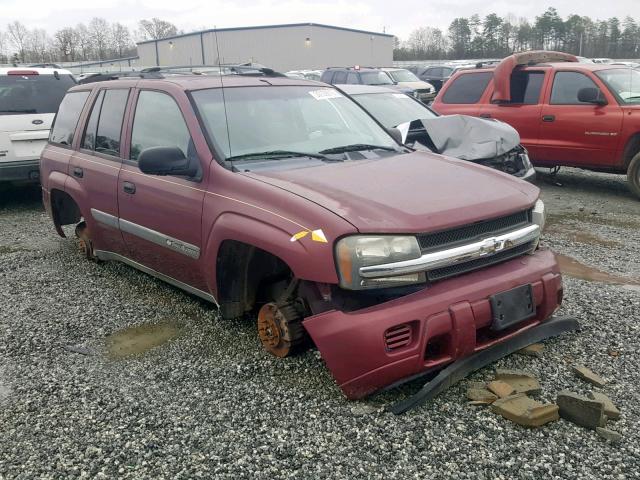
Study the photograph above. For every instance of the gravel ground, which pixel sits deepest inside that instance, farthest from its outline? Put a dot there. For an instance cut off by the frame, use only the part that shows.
(208, 402)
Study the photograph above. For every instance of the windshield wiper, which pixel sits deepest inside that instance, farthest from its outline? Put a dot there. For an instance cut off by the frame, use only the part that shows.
(25, 110)
(357, 147)
(276, 154)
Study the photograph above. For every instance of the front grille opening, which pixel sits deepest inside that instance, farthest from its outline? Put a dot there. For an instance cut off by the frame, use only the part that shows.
(398, 336)
(465, 267)
(473, 232)
(438, 347)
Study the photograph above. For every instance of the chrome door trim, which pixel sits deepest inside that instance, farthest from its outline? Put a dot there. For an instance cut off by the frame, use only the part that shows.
(158, 238)
(105, 218)
(106, 256)
(145, 233)
(452, 256)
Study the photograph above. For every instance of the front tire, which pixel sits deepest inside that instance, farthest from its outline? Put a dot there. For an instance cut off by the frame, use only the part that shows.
(633, 175)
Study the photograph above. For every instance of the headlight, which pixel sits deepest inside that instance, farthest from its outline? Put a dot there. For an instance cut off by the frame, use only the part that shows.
(539, 217)
(355, 252)
(526, 162)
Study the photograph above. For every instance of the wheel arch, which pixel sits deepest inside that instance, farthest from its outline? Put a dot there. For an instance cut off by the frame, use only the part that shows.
(64, 210)
(631, 149)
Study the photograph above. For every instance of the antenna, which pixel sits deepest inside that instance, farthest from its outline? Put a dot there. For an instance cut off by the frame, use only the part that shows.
(224, 100)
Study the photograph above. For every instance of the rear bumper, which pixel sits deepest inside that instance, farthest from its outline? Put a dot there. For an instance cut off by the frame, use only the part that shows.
(20, 171)
(448, 321)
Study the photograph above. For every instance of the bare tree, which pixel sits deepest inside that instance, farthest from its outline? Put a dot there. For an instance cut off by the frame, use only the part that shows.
(155, 29)
(99, 32)
(83, 40)
(65, 42)
(18, 36)
(38, 45)
(121, 38)
(3, 48)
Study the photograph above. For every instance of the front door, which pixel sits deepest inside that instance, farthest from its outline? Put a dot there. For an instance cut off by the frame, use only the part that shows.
(161, 216)
(578, 133)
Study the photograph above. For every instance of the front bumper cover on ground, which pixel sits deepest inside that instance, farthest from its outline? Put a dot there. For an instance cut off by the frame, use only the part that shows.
(463, 367)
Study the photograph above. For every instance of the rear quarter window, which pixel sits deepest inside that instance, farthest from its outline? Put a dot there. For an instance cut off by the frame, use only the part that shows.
(66, 121)
(467, 88)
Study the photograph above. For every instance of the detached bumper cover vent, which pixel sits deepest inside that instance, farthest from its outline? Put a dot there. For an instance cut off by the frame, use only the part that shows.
(473, 232)
(398, 337)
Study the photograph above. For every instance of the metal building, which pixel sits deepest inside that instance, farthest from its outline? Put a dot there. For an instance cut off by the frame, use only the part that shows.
(281, 47)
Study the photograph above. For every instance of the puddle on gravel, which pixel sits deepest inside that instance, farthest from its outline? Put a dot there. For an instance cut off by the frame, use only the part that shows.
(137, 340)
(573, 268)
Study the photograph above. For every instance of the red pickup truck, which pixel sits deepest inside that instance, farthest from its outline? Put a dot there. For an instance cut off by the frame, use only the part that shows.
(567, 113)
(283, 198)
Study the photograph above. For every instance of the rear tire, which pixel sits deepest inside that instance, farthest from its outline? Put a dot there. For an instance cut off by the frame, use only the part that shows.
(633, 175)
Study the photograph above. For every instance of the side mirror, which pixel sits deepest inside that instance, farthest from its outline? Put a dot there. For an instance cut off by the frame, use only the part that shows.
(591, 95)
(166, 161)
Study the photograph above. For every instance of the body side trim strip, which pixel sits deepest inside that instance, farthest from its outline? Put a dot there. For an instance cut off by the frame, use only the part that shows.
(105, 218)
(159, 238)
(106, 256)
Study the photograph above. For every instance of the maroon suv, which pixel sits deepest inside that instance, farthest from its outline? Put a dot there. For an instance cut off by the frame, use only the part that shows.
(283, 197)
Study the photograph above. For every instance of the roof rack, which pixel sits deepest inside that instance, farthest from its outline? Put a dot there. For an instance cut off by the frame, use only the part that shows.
(164, 72)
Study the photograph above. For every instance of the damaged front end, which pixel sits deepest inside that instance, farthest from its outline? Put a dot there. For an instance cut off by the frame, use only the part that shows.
(486, 142)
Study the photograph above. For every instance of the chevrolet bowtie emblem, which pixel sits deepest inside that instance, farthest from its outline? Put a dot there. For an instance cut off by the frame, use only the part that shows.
(491, 246)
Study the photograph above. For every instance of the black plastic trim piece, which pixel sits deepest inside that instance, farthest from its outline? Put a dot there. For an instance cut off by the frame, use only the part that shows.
(463, 367)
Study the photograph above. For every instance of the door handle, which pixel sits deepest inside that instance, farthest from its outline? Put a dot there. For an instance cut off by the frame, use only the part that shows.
(129, 187)
(78, 172)
(548, 118)
(485, 115)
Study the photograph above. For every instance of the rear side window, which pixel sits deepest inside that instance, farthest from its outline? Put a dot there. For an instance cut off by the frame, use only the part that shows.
(526, 87)
(105, 123)
(110, 122)
(566, 86)
(352, 78)
(340, 77)
(467, 88)
(64, 125)
(158, 122)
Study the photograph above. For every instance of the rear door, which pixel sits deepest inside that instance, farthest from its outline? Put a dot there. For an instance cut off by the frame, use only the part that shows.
(577, 133)
(161, 216)
(524, 110)
(95, 167)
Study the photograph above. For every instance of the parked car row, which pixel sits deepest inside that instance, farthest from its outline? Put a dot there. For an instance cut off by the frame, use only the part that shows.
(568, 113)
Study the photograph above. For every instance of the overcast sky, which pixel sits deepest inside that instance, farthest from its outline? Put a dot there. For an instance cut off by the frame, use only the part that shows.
(398, 18)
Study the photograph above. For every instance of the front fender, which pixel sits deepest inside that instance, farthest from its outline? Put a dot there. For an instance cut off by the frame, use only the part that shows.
(307, 259)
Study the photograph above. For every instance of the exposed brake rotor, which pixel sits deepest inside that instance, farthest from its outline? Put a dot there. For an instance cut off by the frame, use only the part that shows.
(280, 329)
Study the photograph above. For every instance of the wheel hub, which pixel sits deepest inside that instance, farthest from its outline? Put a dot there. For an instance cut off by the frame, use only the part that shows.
(274, 330)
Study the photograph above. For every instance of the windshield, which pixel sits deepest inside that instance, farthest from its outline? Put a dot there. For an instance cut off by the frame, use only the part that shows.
(392, 109)
(21, 94)
(376, 78)
(623, 82)
(289, 118)
(403, 76)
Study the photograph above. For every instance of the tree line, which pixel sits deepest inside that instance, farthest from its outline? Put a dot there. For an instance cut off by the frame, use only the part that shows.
(97, 40)
(495, 36)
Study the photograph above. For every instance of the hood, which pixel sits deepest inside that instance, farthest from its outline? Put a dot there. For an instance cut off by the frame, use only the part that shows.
(467, 138)
(410, 193)
(416, 85)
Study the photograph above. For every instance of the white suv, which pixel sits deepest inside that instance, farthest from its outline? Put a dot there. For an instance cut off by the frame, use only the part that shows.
(29, 99)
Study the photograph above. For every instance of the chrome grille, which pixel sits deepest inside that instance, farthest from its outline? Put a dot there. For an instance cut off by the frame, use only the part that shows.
(444, 239)
(465, 267)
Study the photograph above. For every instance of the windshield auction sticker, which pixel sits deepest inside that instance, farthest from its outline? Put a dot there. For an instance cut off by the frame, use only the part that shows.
(325, 94)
